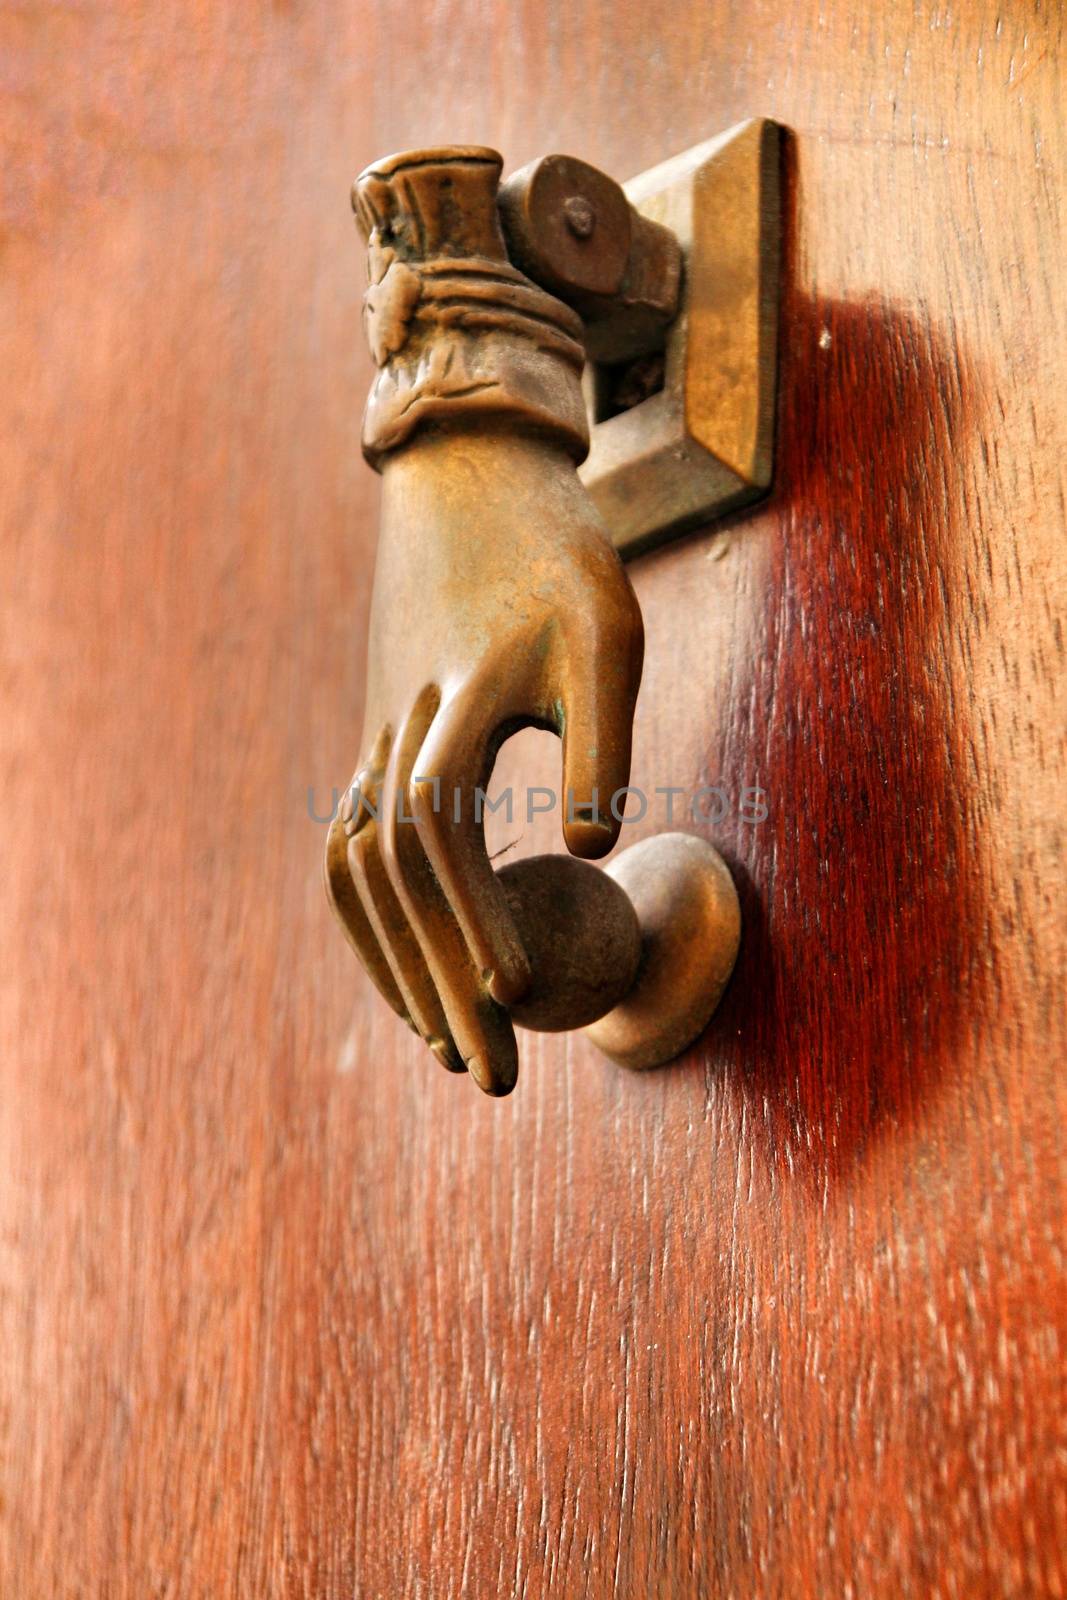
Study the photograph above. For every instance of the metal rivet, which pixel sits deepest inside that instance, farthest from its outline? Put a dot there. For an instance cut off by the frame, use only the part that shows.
(580, 216)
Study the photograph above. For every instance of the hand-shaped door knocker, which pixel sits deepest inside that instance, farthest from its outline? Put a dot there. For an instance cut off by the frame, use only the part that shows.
(499, 603)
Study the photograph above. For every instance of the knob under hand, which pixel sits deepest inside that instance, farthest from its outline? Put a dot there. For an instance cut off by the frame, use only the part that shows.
(637, 954)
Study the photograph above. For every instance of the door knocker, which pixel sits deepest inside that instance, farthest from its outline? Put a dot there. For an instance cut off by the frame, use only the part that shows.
(566, 372)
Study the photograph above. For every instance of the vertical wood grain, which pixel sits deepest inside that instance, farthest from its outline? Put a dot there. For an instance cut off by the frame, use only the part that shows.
(285, 1310)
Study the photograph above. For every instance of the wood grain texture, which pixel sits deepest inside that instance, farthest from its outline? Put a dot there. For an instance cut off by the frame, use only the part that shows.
(284, 1309)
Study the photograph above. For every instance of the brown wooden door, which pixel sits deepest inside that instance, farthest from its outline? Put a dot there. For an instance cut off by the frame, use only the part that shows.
(285, 1309)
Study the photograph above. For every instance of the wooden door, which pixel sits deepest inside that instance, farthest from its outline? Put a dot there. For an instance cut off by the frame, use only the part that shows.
(285, 1309)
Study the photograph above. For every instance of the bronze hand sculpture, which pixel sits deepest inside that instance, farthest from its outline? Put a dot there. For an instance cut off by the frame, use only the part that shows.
(499, 602)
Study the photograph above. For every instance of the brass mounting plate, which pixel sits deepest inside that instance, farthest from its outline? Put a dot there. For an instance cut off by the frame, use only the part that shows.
(704, 443)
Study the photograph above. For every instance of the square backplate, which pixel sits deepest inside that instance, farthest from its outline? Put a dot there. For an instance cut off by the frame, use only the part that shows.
(704, 443)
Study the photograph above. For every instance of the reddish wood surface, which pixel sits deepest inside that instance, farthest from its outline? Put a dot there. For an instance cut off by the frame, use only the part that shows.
(284, 1309)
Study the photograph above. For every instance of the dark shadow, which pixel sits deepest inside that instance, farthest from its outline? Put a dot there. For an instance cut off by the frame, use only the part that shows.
(862, 961)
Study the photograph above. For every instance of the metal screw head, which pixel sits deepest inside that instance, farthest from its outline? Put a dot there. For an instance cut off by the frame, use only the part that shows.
(580, 216)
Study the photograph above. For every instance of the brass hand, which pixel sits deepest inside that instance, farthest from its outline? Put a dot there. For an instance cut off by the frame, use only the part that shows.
(499, 602)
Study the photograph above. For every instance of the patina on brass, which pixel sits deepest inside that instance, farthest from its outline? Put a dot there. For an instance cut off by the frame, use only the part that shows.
(638, 954)
(581, 933)
(574, 231)
(500, 602)
(685, 903)
(702, 442)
